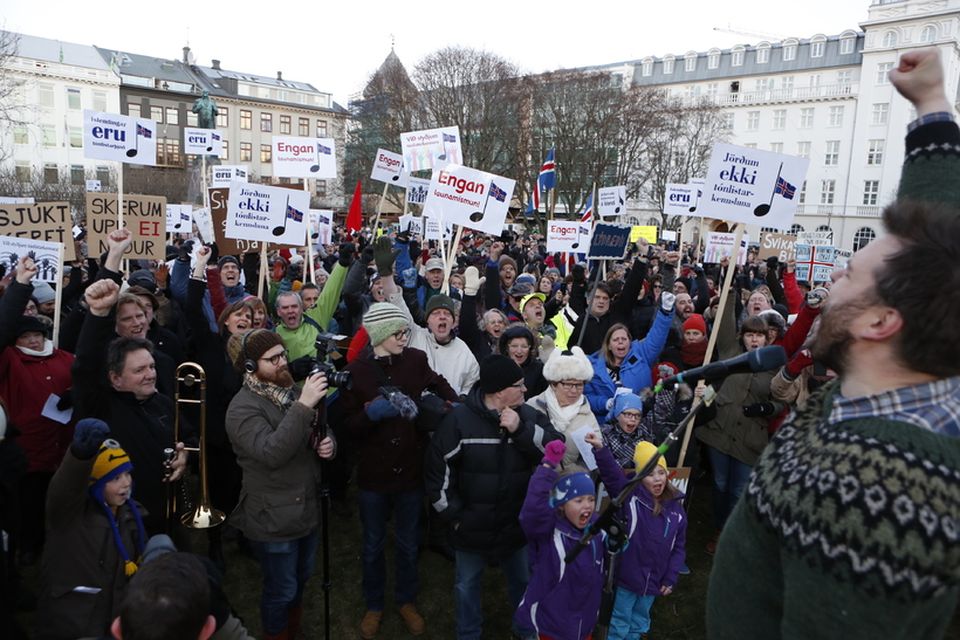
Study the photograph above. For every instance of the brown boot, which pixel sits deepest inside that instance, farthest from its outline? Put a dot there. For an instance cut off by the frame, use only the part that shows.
(370, 624)
(294, 620)
(412, 618)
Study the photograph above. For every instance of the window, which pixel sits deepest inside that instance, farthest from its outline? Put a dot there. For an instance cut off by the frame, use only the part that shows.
(753, 120)
(173, 115)
(863, 237)
(646, 68)
(875, 151)
(246, 119)
(168, 152)
(713, 59)
(99, 100)
(890, 39)
(787, 84)
(817, 46)
(321, 128)
(266, 153)
(103, 175)
(77, 175)
(824, 229)
(20, 135)
(764, 84)
(844, 78)
(736, 57)
(51, 173)
(285, 124)
(796, 228)
(776, 147)
(76, 137)
(763, 54)
(815, 80)
(45, 95)
(156, 114)
(192, 119)
(304, 127)
(832, 157)
(728, 120)
(827, 190)
(806, 117)
(883, 69)
(803, 193)
(928, 33)
(223, 117)
(668, 65)
(23, 171)
(73, 98)
(847, 44)
(49, 135)
(789, 50)
(225, 150)
(780, 119)
(266, 122)
(871, 189)
(836, 117)
(690, 62)
(750, 145)
(712, 90)
(803, 149)
(881, 110)
(246, 152)
(321, 188)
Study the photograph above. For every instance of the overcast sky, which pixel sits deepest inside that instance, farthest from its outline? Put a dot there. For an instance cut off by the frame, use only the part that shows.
(337, 45)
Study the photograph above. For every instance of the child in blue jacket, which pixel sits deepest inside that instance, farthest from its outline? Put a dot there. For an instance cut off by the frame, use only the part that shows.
(657, 529)
(562, 601)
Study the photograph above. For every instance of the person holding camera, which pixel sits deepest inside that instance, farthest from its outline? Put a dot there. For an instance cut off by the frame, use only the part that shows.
(279, 442)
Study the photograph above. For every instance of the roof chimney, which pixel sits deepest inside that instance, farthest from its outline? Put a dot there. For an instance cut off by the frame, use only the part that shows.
(216, 64)
(186, 55)
(279, 75)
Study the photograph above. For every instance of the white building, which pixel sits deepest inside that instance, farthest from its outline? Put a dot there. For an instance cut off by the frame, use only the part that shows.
(826, 98)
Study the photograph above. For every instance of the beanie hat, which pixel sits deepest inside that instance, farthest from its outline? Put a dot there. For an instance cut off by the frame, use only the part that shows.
(498, 372)
(25, 324)
(626, 402)
(567, 365)
(513, 332)
(695, 322)
(110, 462)
(527, 278)
(251, 346)
(567, 488)
(43, 292)
(440, 301)
(143, 278)
(670, 369)
(226, 260)
(520, 289)
(642, 454)
(505, 260)
(382, 320)
(773, 319)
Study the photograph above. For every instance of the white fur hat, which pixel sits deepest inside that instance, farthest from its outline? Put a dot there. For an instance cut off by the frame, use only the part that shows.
(567, 365)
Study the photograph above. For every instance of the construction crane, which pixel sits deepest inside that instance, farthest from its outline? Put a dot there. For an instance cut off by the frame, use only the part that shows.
(750, 34)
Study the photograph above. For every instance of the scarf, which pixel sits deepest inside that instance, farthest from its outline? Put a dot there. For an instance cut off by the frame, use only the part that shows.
(691, 353)
(129, 564)
(283, 397)
(46, 351)
(560, 417)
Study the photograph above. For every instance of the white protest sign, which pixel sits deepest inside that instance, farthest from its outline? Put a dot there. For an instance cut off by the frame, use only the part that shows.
(202, 142)
(612, 201)
(568, 236)
(720, 245)
(321, 226)
(179, 217)
(840, 258)
(429, 147)
(680, 199)
(753, 186)
(224, 174)
(111, 136)
(267, 214)
(814, 262)
(46, 255)
(388, 167)
(432, 229)
(471, 198)
(669, 236)
(304, 157)
(412, 224)
(815, 238)
(94, 185)
(417, 189)
(204, 222)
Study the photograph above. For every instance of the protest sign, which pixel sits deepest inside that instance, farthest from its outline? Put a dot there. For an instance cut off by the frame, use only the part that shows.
(840, 258)
(267, 214)
(46, 221)
(227, 173)
(609, 241)
(814, 262)
(179, 218)
(611, 201)
(411, 224)
(568, 236)
(321, 226)
(752, 186)
(94, 185)
(10, 200)
(144, 216)
(388, 167)
(670, 236)
(304, 157)
(417, 189)
(429, 147)
(219, 198)
(204, 222)
(46, 255)
(431, 229)
(202, 142)
(720, 245)
(111, 136)
(778, 245)
(468, 197)
(647, 232)
(680, 199)
(815, 238)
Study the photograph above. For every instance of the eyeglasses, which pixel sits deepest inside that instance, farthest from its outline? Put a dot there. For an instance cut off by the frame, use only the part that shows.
(631, 416)
(403, 333)
(571, 386)
(275, 359)
(658, 286)
(519, 385)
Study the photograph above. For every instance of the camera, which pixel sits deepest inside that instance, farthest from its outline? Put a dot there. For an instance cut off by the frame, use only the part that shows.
(335, 378)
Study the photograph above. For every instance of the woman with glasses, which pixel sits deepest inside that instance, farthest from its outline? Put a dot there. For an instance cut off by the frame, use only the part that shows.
(563, 401)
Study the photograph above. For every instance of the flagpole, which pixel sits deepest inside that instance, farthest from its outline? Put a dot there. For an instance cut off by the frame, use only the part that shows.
(123, 263)
(383, 196)
(263, 269)
(448, 266)
(311, 269)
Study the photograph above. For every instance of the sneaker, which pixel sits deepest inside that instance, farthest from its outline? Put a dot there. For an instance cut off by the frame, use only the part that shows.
(370, 624)
(412, 618)
(684, 570)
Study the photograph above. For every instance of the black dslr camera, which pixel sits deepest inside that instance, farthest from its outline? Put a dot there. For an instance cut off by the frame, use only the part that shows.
(305, 367)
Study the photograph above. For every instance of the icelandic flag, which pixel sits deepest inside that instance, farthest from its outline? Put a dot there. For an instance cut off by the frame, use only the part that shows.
(531, 207)
(215, 136)
(143, 132)
(548, 172)
(785, 189)
(322, 149)
(294, 214)
(449, 138)
(587, 214)
(497, 193)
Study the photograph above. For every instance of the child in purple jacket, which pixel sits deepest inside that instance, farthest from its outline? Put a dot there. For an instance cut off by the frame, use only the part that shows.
(562, 601)
(657, 526)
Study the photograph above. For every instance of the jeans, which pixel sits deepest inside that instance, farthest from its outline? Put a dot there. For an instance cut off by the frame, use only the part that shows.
(469, 572)
(631, 615)
(286, 567)
(730, 478)
(375, 511)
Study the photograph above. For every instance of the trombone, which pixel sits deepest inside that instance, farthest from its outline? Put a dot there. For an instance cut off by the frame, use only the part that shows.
(204, 516)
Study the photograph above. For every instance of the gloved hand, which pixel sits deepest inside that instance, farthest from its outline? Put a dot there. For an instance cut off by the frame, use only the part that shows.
(817, 297)
(384, 255)
(409, 278)
(472, 281)
(759, 410)
(553, 452)
(366, 257)
(185, 250)
(347, 249)
(381, 409)
(797, 363)
(214, 253)
(579, 274)
(88, 435)
(667, 300)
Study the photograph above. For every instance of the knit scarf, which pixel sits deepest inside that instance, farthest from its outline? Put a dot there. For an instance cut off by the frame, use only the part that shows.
(691, 353)
(560, 417)
(129, 564)
(46, 351)
(283, 397)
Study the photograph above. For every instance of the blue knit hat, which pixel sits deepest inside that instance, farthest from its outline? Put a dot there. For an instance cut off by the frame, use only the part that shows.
(624, 402)
(569, 487)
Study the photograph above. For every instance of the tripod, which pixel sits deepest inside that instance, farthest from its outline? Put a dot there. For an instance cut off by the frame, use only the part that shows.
(317, 436)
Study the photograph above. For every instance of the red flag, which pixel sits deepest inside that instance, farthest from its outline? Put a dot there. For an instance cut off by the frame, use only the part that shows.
(355, 215)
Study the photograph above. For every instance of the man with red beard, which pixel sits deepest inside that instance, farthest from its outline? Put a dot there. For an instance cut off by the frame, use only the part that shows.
(848, 527)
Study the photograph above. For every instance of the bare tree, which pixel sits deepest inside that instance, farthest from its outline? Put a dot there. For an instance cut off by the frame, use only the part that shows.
(13, 107)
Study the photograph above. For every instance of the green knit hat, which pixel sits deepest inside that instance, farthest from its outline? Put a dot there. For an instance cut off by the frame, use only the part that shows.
(382, 320)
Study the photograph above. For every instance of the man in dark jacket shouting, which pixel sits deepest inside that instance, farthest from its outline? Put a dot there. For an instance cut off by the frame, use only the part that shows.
(478, 466)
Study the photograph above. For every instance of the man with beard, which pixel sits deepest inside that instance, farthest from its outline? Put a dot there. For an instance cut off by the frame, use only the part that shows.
(279, 440)
(848, 527)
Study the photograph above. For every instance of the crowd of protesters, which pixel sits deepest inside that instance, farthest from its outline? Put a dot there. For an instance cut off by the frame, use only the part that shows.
(486, 407)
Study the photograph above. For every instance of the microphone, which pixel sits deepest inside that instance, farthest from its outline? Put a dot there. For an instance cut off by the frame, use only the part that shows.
(762, 359)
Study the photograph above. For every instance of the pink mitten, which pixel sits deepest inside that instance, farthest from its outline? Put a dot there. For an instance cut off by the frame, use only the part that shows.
(553, 452)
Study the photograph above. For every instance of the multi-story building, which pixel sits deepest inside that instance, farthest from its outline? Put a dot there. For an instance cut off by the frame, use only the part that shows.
(826, 98)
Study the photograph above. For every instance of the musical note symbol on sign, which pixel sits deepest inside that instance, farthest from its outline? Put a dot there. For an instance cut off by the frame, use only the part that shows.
(780, 186)
(694, 207)
(280, 229)
(620, 199)
(320, 149)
